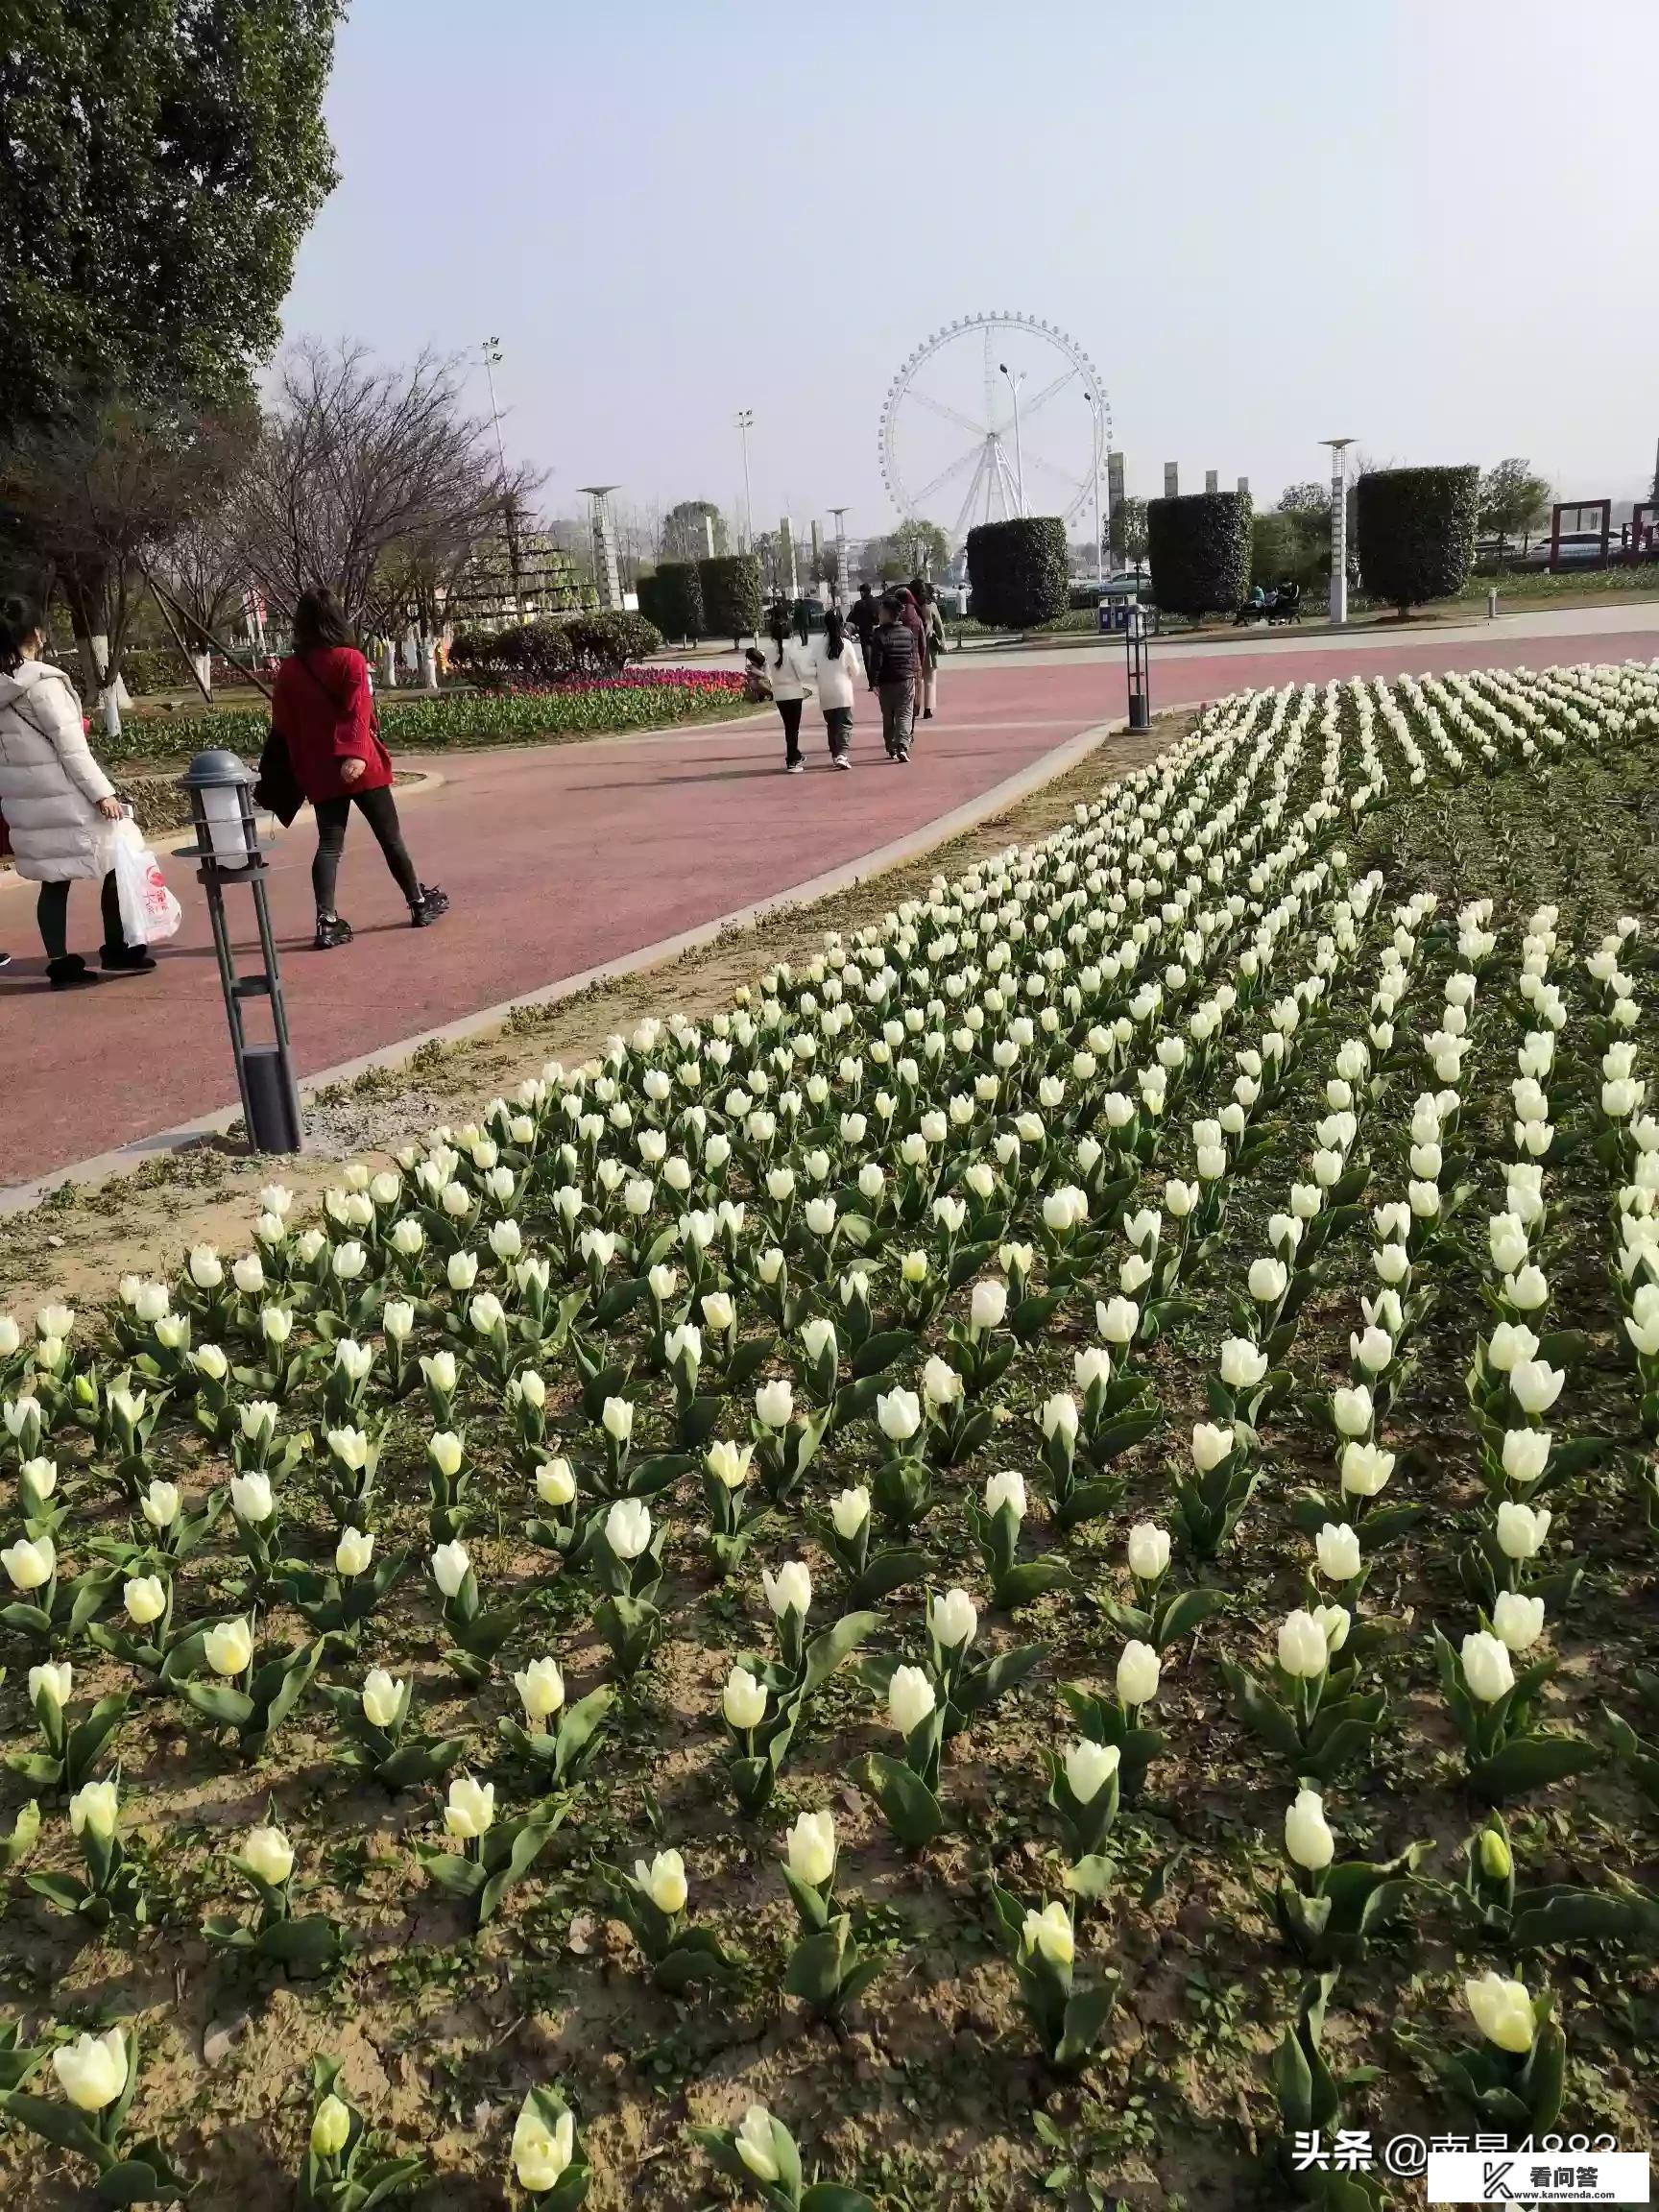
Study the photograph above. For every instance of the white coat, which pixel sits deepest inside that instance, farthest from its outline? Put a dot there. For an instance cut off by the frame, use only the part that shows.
(50, 785)
(792, 678)
(835, 680)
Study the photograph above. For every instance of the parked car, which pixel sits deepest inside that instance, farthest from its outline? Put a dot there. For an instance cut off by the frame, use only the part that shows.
(1578, 546)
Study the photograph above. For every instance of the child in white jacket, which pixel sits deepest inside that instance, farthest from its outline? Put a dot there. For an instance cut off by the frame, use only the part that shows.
(789, 672)
(835, 668)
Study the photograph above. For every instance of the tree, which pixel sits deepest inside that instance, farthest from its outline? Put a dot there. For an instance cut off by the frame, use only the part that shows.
(1018, 572)
(1416, 531)
(202, 571)
(107, 488)
(1200, 548)
(686, 531)
(372, 480)
(913, 549)
(1306, 499)
(1512, 502)
(1126, 531)
(163, 158)
(731, 584)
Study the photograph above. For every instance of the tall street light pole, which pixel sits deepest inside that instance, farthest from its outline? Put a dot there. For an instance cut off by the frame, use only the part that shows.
(746, 424)
(1338, 528)
(1013, 384)
(1094, 412)
(841, 580)
(491, 349)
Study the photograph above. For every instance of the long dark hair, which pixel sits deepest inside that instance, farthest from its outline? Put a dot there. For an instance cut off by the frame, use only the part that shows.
(778, 628)
(834, 630)
(20, 619)
(319, 621)
(920, 590)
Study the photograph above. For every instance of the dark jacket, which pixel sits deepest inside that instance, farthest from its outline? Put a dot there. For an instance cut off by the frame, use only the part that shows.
(863, 616)
(324, 708)
(893, 654)
(910, 615)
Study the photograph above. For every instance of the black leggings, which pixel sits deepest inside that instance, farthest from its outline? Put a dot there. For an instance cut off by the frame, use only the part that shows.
(789, 710)
(52, 912)
(379, 809)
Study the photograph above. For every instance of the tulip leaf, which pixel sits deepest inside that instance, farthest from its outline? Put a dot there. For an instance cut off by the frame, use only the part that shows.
(1184, 1613)
(412, 1764)
(1118, 1436)
(55, 2122)
(1025, 1583)
(67, 1891)
(1091, 1877)
(528, 1839)
(579, 1729)
(224, 1707)
(696, 1957)
(877, 1354)
(1583, 1916)
(854, 1400)
(306, 1946)
(1261, 1712)
(814, 1970)
(888, 1570)
(825, 1653)
(1087, 1501)
(1529, 1763)
(1087, 2012)
(909, 1807)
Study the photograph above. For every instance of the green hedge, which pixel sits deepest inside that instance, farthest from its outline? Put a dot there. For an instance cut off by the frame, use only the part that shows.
(600, 644)
(1018, 572)
(1416, 531)
(673, 599)
(1199, 551)
(731, 584)
(460, 719)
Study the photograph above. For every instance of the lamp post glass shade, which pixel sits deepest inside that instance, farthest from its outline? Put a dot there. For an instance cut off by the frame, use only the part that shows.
(221, 788)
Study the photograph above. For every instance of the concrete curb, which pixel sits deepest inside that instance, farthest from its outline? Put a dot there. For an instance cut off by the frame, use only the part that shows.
(17, 1198)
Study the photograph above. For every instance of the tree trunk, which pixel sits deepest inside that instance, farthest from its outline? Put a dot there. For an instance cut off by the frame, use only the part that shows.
(205, 669)
(428, 661)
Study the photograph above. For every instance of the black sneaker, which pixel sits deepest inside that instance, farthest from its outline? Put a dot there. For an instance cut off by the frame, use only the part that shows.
(70, 972)
(4, 959)
(126, 960)
(902, 756)
(331, 929)
(926, 713)
(432, 904)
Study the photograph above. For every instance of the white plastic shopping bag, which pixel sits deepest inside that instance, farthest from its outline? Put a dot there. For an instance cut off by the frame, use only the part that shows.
(149, 910)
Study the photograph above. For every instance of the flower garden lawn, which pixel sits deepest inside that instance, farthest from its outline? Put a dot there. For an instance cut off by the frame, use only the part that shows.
(1016, 1571)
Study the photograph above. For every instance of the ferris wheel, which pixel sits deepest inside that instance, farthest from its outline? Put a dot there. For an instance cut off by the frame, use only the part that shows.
(993, 416)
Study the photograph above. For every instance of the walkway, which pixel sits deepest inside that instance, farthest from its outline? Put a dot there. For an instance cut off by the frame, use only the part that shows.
(560, 858)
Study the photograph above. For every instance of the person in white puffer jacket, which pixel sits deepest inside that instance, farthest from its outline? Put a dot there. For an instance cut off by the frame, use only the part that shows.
(835, 668)
(789, 672)
(60, 806)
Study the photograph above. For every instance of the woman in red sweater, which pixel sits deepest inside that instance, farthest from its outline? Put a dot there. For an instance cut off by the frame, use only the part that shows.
(326, 712)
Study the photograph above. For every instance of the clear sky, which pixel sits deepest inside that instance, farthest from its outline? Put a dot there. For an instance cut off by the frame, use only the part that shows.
(1431, 223)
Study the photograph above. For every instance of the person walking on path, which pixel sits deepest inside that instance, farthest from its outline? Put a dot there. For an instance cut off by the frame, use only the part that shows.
(934, 626)
(324, 708)
(59, 805)
(789, 672)
(913, 619)
(893, 677)
(832, 681)
(862, 618)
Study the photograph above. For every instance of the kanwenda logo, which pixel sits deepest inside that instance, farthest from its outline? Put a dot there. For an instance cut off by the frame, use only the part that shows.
(1494, 2181)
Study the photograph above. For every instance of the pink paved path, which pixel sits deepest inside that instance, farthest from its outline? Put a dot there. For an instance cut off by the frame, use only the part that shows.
(562, 859)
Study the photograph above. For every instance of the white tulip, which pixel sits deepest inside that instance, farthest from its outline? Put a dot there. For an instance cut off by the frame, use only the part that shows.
(774, 1404)
(988, 1305)
(1006, 1488)
(451, 1565)
(910, 1698)
(663, 1881)
(850, 1512)
(1138, 1671)
(1518, 1621)
(1520, 1530)
(145, 1599)
(51, 1682)
(1307, 1838)
(1487, 1667)
(1503, 2011)
(470, 1810)
(953, 1619)
(1210, 1445)
(229, 1646)
(541, 1688)
(1088, 1768)
(267, 1853)
(251, 1498)
(1337, 1548)
(381, 1697)
(1303, 1650)
(1243, 1364)
(743, 1700)
(628, 1528)
(810, 1848)
(92, 2070)
(354, 1552)
(789, 1590)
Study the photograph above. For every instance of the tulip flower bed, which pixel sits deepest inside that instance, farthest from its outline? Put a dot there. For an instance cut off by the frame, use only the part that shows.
(1021, 1571)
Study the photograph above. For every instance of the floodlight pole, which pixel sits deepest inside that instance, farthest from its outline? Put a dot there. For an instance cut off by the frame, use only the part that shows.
(1338, 529)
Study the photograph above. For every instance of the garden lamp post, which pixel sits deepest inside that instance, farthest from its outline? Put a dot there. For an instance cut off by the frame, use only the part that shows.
(1338, 528)
(221, 788)
(840, 514)
(1013, 384)
(1135, 656)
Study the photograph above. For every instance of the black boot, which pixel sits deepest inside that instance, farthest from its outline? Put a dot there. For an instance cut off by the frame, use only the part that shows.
(432, 902)
(331, 929)
(70, 972)
(126, 960)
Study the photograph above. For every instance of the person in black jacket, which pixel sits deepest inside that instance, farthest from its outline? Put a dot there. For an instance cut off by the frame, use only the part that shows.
(862, 618)
(893, 671)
